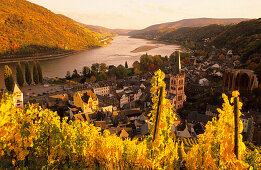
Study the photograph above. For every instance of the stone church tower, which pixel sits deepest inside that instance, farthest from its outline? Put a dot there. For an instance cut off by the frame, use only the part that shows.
(176, 88)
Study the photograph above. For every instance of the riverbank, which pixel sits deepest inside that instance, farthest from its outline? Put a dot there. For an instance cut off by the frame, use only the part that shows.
(49, 56)
(44, 57)
(153, 41)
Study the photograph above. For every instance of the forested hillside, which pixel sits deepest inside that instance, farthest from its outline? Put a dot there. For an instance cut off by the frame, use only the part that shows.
(29, 29)
(193, 37)
(245, 38)
(153, 31)
(108, 31)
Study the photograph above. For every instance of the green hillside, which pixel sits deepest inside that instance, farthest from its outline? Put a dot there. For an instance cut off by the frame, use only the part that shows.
(154, 31)
(28, 29)
(193, 37)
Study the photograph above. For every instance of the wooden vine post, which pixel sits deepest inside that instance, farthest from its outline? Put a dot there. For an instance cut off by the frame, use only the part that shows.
(236, 117)
(156, 129)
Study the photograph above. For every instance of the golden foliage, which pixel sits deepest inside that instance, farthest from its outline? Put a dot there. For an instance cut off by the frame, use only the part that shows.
(215, 148)
(27, 28)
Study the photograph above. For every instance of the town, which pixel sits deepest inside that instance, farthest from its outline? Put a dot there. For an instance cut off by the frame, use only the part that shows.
(122, 105)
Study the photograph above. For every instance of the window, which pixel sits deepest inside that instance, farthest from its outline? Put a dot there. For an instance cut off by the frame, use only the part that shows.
(179, 98)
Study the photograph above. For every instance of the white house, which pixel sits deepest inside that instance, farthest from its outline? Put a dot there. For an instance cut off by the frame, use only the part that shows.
(102, 91)
(18, 98)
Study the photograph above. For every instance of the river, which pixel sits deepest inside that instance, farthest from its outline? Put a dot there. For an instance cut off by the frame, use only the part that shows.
(117, 53)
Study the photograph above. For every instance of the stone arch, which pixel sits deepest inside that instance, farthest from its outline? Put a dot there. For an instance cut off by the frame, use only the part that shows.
(244, 81)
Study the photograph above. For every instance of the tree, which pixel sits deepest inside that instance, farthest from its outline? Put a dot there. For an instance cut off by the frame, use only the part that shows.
(28, 75)
(95, 68)
(93, 79)
(136, 64)
(19, 74)
(40, 73)
(85, 71)
(9, 80)
(102, 76)
(126, 64)
(83, 80)
(35, 73)
(103, 67)
(157, 60)
(121, 72)
(75, 74)
(144, 62)
(137, 71)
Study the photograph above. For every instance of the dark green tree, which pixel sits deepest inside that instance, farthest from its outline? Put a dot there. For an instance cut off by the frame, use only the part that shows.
(40, 73)
(126, 64)
(95, 68)
(83, 80)
(9, 80)
(102, 76)
(28, 75)
(103, 67)
(144, 62)
(35, 73)
(121, 72)
(75, 74)
(85, 71)
(19, 74)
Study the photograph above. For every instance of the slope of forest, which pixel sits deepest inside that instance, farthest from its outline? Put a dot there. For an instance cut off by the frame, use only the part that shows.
(192, 37)
(244, 38)
(170, 26)
(108, 31)
(29, 29)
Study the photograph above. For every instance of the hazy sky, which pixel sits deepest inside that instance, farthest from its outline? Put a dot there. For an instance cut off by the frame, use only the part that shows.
(137, 14)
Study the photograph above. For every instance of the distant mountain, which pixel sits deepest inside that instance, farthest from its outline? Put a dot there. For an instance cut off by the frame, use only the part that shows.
(153, 31)
(29, 29)
(108, 31)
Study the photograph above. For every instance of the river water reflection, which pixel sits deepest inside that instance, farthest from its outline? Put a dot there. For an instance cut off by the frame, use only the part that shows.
(117, 53)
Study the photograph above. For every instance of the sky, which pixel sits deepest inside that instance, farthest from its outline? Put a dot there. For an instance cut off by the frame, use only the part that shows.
(138, 14)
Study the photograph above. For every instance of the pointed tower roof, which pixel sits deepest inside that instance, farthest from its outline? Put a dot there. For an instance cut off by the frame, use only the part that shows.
(179, 64)
(16, 89)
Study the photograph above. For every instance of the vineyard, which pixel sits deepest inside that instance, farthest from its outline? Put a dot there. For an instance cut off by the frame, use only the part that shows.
(36, 138)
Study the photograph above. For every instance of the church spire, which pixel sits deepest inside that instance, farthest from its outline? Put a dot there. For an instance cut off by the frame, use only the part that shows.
(179, 64)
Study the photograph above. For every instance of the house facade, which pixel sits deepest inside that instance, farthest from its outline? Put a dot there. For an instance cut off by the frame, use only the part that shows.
(18, 98)
(86, 100)
(102, 91)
